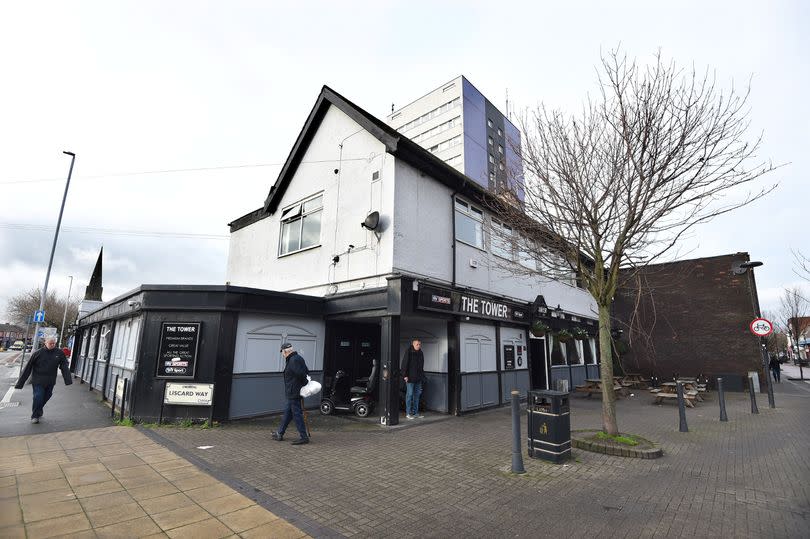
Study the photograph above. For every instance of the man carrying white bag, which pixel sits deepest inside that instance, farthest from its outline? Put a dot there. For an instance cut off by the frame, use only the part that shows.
(296, 380)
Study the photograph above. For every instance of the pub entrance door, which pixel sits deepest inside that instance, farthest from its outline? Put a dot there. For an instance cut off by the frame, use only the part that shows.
(353, 347)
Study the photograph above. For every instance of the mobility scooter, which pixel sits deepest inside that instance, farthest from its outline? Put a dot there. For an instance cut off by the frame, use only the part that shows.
(345, 397)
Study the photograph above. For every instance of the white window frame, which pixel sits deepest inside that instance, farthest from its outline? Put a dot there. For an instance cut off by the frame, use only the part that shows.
(501, 231)
(293, 213)
(476, 215)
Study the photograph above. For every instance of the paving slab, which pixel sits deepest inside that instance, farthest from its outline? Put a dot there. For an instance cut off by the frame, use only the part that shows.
(115, 496)
(748, 477)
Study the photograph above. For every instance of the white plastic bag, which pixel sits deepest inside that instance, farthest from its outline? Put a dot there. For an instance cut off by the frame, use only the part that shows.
(312, 388)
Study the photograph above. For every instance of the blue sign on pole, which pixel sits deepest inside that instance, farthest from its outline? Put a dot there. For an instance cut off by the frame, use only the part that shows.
(39, 316)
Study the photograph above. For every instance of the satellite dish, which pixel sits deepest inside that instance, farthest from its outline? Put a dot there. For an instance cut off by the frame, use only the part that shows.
(372, 221)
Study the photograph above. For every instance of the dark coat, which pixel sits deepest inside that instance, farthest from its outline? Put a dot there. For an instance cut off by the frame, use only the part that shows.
(413, 365)
(42, 368)
(774, 364)
(295, 376)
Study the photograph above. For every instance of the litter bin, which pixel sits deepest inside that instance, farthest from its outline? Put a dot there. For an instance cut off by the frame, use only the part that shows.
(549, 425)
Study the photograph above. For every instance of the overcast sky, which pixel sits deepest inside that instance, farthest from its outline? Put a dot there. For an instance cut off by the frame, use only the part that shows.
(224, 88)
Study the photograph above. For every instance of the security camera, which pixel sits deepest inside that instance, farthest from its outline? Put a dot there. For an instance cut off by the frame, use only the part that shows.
(132, 303)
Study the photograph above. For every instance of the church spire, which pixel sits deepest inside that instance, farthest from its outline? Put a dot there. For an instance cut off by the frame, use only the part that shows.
(93, 290)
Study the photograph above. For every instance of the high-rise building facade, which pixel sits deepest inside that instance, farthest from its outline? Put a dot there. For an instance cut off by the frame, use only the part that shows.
(463, 128)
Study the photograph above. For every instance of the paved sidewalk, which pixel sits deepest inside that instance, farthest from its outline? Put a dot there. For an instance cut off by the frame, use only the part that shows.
(70, 408)
(749, 477)
(116, 482)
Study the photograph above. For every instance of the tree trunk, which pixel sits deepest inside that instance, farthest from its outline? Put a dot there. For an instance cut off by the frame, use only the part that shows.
(609, 424)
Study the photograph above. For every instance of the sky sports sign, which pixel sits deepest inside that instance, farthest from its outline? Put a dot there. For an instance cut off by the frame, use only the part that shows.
(177, 352)
(438, 299)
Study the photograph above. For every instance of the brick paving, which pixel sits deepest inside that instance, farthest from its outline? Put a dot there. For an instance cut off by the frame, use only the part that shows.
(116, 482)
(450, 477)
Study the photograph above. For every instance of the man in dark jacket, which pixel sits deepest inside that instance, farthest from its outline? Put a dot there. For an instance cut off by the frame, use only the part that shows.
(42, 369)
(295, 377)
(776, 368)
(413, 372)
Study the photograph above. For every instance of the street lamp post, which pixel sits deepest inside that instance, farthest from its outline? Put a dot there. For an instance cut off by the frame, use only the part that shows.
(64, 315)
(763, 350)
(53, 247)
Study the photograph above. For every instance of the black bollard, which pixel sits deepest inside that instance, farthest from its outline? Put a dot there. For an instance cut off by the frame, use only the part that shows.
(682, 427)
(112, 413)
(124, 398)
(754, 409)
(517, 456)
(722, 397)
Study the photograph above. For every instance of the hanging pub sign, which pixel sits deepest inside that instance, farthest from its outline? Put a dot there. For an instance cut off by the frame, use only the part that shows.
(438, 299)
(177, 351)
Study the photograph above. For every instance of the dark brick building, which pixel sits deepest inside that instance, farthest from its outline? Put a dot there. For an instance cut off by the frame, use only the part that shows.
(690, 317)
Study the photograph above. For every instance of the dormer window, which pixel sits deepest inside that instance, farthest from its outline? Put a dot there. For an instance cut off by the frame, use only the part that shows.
(301, 225)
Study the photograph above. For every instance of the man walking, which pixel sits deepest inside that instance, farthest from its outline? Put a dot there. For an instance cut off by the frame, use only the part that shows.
(42, 369)
(413, 369)
(295, 377)
(776, 369)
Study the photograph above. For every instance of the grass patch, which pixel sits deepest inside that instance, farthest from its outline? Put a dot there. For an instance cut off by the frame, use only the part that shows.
(126, 422)
(619, 439)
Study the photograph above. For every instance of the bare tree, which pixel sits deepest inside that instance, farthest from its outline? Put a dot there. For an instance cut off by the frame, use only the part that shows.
(22, 306)
(779, 334)
(793, 315)
(618, 185)
(802, 268)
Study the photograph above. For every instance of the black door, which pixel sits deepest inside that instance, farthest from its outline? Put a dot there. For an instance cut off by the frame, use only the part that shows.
(537, 363)
(353, 348)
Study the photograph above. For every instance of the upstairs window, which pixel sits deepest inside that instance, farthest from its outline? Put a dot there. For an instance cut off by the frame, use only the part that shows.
(469, 224)
(501, 240)
(301, 225)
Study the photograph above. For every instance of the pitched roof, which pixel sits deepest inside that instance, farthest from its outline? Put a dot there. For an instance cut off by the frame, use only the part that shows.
(395, 144)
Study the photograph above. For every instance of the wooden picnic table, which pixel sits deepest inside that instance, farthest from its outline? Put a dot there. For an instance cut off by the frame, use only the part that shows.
(594, 385)
(634, 379)
(669, 390)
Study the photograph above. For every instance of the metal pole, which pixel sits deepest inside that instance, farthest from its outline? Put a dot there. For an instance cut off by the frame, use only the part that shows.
(64, 315)
(124, 398)
(765, 360)
(25, 345)
(112, 414)
(722, 397)
(754, 409)
(517, 455)
(682, 426)
(53, 247)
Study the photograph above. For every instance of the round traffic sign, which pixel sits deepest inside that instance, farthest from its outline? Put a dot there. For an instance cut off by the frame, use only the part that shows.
(761, 327)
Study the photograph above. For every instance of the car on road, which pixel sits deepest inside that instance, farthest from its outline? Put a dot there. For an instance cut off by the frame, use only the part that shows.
(18, 345)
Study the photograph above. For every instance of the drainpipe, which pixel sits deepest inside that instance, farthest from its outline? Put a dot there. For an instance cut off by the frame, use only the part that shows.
(453, 218)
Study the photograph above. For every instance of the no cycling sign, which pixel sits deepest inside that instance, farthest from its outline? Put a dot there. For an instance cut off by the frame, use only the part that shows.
(761, 327)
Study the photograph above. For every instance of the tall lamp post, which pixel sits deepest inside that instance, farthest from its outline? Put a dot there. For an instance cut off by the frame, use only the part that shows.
(53, 248)
(748, 267)
(64, 315)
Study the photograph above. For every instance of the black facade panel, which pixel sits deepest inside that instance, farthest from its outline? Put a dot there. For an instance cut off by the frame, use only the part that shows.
(147, 393)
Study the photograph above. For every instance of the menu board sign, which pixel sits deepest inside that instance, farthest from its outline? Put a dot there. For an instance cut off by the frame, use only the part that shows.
(177, 352)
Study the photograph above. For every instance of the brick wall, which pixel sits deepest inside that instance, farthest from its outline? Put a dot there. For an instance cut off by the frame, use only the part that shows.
(689, 317)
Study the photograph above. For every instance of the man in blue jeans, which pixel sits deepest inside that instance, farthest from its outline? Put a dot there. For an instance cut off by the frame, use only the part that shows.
(413, 372)
(295, 377)
(42, 369)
